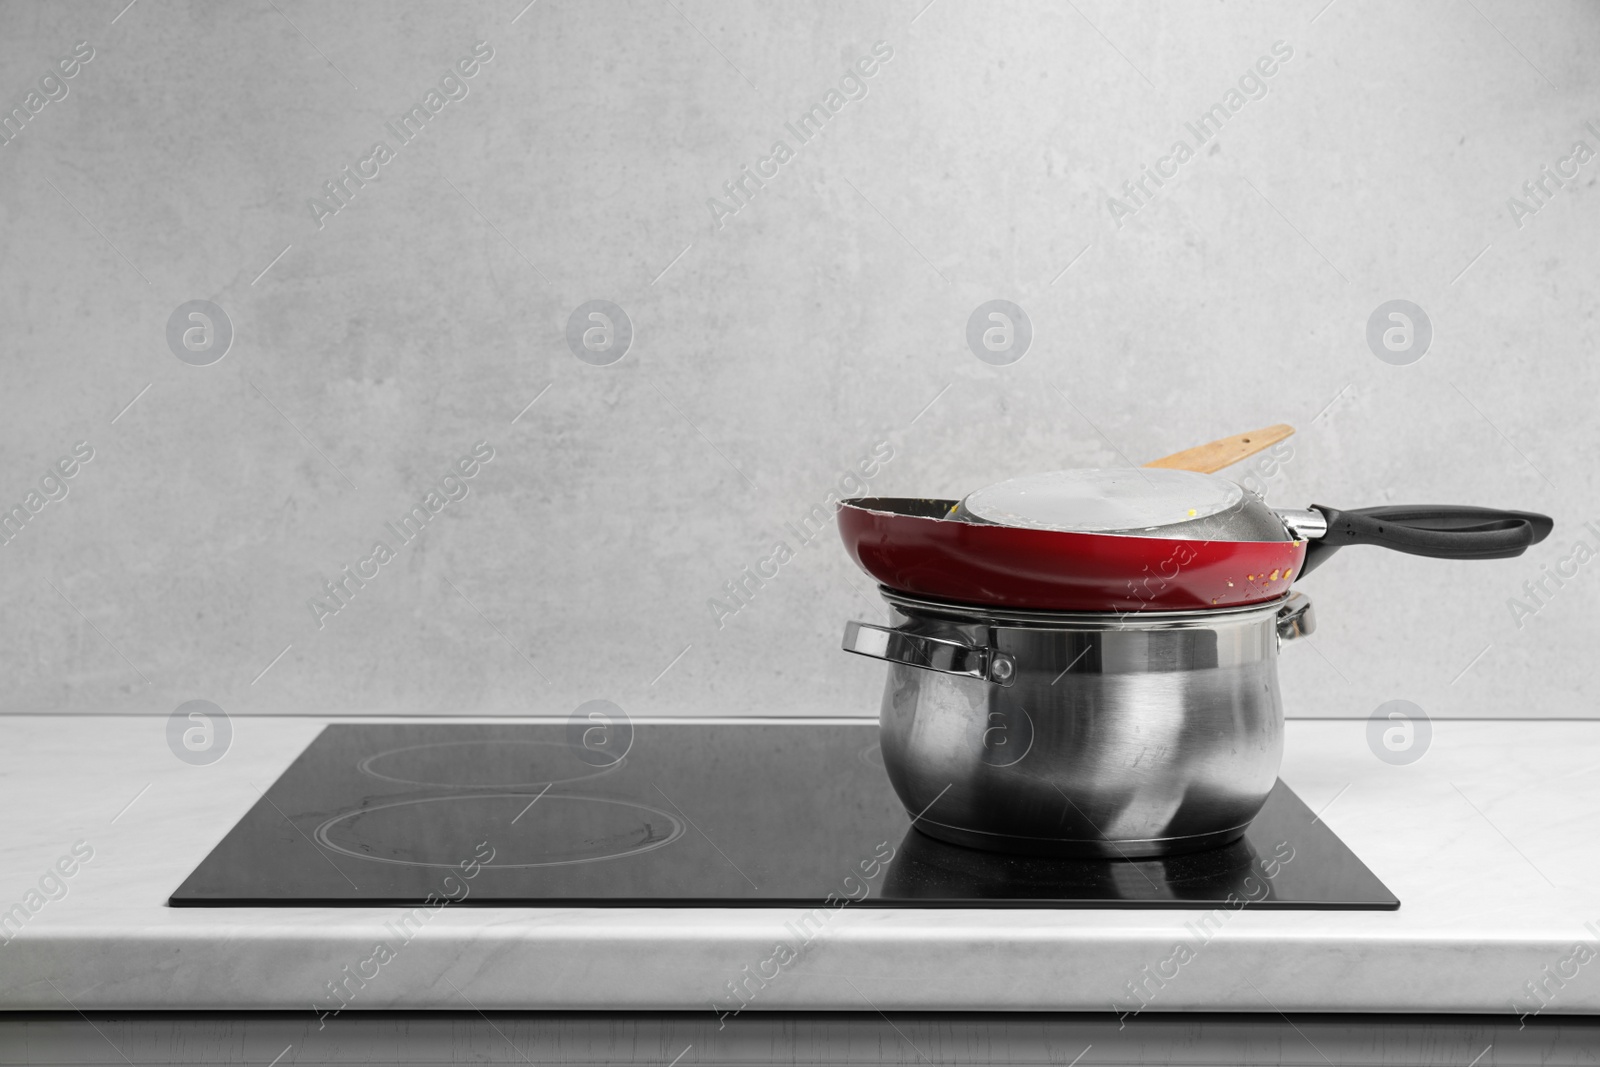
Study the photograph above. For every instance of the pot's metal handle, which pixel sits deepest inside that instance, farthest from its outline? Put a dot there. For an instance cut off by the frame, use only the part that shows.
(1295, 618)
(929, 653)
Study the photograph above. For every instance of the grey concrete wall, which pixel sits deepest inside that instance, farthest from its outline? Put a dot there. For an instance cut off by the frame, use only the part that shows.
(773, 348)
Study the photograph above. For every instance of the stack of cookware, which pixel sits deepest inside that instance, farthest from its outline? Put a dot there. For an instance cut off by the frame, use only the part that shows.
(1084, 663)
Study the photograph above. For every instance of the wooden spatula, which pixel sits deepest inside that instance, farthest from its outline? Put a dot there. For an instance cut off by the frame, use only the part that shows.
(1225, 451)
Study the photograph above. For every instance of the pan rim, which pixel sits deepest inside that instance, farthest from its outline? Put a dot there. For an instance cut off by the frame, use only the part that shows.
(856, 504)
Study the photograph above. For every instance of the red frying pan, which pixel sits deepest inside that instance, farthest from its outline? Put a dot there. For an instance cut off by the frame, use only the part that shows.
(1235, 550)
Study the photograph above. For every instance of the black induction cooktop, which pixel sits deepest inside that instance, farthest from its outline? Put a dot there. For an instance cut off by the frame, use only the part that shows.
(709, 814)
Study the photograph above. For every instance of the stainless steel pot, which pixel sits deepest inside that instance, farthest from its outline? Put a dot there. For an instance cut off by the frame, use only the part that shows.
(1081, 733)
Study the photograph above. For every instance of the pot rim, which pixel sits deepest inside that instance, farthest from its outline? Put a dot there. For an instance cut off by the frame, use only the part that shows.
(1091, 620)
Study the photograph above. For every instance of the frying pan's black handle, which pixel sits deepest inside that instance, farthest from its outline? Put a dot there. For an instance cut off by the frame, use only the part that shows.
(1444, 531)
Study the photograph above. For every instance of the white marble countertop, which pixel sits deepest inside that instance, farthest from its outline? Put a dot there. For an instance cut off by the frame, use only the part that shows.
(1489, 841)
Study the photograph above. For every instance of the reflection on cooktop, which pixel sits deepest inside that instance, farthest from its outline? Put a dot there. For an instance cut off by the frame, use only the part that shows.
(707, 814)
(929, 869)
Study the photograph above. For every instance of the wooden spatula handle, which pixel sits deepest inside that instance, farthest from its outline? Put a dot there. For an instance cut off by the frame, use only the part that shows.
(1225, 452)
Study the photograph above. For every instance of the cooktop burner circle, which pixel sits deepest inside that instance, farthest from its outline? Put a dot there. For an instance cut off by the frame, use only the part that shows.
(482, 764)
(525, 830)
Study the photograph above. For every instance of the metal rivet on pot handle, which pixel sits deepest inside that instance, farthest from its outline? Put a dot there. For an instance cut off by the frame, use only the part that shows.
(1295, 618)
(929, 653)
